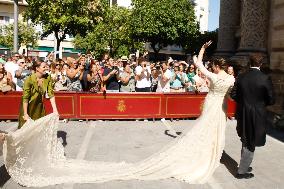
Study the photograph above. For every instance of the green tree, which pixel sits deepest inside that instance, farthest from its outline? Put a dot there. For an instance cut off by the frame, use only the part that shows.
(26, 33)
(111, 34)
(163, 22)
(194, 43)
(63, 17)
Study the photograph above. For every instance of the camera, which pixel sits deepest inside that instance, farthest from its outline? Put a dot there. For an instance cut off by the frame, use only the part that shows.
(84, 66)
(115, 68)
(158, 66)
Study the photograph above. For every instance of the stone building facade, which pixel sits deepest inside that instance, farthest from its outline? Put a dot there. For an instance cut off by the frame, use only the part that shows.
(247, 26)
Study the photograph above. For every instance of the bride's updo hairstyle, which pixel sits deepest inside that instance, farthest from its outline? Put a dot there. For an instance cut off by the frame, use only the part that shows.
(220, 62)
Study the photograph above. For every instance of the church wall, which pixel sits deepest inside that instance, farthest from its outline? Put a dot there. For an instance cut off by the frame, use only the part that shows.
(276, 36)
(276, 52)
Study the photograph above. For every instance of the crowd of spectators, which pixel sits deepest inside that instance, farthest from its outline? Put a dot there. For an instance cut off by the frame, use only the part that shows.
(111, 75)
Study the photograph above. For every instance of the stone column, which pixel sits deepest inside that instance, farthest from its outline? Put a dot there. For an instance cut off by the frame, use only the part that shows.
(254, 25)
(16, 15)
(229, 21)
(254, 28)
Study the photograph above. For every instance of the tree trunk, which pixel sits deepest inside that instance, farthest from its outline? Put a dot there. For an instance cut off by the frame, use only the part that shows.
(58, 41)
(156, 51)
(57, 48)
(111, 50)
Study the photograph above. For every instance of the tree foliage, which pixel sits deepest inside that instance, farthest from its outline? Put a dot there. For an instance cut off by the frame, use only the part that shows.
(163, 22)
(111, 34)
(26, 35)
(99, 27)
(64, 16)
(196, 41)
(160, 22)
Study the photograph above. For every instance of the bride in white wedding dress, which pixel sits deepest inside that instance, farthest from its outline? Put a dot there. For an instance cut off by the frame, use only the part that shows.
(34, 157)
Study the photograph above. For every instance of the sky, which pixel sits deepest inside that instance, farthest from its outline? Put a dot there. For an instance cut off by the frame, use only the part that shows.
(125, 3)
(214, 10)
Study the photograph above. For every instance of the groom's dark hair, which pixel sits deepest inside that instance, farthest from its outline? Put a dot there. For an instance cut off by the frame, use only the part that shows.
(256, 59)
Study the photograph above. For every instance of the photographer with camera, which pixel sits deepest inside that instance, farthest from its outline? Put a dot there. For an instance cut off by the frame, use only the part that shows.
(95, 77)
(143, 74)
(111, 76)
(164, 78)
(155, 70)
(127, 78)
(74, 75)
(179, 78)
(84, 61)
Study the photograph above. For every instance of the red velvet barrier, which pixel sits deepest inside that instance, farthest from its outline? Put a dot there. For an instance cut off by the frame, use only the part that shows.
(116, 105)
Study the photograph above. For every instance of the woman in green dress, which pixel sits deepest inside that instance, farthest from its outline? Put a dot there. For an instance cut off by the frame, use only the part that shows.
(190, 74)
(36, 87)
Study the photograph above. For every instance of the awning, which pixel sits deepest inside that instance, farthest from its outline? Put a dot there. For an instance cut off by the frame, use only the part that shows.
(4, 48)
(49, 49)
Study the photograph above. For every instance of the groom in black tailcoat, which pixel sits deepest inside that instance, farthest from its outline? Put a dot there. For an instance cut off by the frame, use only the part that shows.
(253, 91)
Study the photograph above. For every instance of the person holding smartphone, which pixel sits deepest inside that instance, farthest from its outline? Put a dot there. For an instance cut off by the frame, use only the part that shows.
(143, 77)
(111, 76)
(164, 78)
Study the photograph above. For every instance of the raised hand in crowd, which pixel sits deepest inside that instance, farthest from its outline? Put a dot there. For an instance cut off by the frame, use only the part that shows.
(113, 72)
(2, 137)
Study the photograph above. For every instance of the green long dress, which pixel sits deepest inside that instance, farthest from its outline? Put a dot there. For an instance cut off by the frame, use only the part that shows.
(33, 95)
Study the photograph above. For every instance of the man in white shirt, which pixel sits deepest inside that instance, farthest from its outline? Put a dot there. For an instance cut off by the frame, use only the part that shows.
(164, 78)
(12, 66)
(143, 77)
(21, 74)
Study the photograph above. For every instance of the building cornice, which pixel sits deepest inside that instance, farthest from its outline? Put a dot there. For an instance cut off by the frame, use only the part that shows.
(10, 2)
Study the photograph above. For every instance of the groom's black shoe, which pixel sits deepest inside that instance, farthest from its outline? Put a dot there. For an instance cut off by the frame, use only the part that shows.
(178, 133)
(244, 176)
(250, 169)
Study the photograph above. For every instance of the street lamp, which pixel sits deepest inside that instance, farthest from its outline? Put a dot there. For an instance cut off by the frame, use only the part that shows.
(16, 8)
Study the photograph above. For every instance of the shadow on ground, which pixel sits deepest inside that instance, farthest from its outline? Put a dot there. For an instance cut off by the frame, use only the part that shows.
(62, 135)
(274, 128)
(230, 163)
(4, 175)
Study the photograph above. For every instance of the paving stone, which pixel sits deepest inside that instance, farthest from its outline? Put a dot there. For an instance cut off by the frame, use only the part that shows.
(132, 141)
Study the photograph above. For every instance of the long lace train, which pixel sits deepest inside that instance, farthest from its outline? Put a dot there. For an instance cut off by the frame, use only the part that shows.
(34, 157)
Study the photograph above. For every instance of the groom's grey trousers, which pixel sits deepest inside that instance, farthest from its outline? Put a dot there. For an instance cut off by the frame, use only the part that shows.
(246, 159)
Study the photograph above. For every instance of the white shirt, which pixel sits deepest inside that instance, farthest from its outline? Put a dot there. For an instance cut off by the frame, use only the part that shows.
(144, 81)
(12, 68)
(162, 85)
(256, 68)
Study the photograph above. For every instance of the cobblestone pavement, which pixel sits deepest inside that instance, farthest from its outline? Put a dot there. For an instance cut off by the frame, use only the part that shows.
(132, 141)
